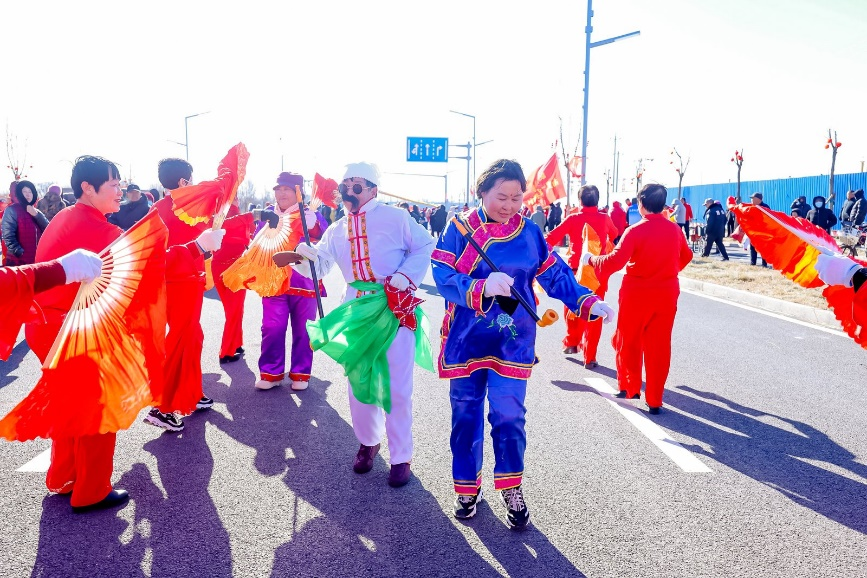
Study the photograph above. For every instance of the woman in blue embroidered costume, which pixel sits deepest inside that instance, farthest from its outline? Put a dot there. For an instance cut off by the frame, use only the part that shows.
(488, 342)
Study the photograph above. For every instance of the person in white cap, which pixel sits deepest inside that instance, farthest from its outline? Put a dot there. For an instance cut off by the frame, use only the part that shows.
(384, 244)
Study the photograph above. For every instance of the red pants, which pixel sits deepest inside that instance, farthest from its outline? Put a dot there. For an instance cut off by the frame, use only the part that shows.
(582, 334)
(183, 366)
(81, 465)
(644, 323)
(233, 305)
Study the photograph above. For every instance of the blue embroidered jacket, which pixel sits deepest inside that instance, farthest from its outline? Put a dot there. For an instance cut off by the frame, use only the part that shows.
(477, 333)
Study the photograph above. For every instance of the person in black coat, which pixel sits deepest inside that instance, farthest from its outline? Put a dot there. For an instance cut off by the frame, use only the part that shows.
(438, 220)
(757, 199)
(845, 212)
(821, 216)
(715, 219)
(859, 209)
(801, 207)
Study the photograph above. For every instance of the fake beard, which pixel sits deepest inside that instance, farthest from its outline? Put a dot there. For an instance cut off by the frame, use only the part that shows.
(351, 200)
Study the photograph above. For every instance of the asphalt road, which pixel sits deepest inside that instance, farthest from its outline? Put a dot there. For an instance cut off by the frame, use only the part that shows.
(262, 485)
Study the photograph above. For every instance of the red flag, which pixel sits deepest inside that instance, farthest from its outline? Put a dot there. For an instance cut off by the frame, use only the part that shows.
(323, 189)
(545, 184)
(576, 164)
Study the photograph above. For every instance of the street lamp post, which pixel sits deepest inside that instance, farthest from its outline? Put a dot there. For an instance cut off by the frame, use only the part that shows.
(187, 132)
(474, 145)
(588, 45)
(466, 158)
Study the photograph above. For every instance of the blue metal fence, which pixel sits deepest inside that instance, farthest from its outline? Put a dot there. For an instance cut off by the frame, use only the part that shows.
(777, 193)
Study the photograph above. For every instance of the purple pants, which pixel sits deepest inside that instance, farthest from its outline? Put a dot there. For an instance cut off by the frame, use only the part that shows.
(276, 313)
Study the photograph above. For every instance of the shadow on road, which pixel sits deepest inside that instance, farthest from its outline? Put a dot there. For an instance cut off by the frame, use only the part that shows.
(344, 524)
(15, 358)
(773, 455)
(521, 553)
(600, 369)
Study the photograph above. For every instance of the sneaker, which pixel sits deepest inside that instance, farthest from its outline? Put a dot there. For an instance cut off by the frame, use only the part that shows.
(230, 358)
(465, 506)
(167, 421)
(264, 384)
(299, 385)
(518, 515)
(205, 403)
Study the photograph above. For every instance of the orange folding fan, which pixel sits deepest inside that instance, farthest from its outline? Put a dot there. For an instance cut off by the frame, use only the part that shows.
(792, 246)
(591, 244)
(255, 269)
(208, 200)
(106, 363)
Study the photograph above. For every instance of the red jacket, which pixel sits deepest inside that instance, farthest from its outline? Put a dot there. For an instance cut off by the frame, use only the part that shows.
(618, 216)
(654, 251)
(17, 285)
(689, 214)
(574, 227)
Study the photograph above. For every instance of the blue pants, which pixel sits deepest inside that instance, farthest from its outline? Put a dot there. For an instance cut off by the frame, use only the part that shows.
(507, 417)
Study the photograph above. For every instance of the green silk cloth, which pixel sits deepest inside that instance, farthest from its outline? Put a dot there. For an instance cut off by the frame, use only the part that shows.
(357, 335)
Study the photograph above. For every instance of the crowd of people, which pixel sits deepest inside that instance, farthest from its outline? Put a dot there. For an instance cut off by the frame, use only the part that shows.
(484, 260)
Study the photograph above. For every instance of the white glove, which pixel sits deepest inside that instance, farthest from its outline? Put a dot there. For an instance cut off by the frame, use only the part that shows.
(603, 310)
(836, 269)
(399, 282)
(498, 284)
(310, 218)
(81, 266)
(211, 240)
(307, 251)
(585, 258)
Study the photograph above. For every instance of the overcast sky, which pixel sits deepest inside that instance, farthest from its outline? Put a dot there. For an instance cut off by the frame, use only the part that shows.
(322, 83)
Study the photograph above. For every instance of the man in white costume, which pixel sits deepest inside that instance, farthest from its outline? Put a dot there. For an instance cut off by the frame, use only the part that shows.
(373, 242)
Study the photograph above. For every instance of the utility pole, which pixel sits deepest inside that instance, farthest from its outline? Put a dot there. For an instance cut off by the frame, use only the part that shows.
(466, 158)
(588, 45)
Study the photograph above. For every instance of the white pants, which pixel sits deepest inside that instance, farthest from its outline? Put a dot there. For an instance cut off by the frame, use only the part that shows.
(371, 422)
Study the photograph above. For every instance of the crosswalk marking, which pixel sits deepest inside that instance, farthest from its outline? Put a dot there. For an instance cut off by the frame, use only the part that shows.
(38, 464)
(678, 454)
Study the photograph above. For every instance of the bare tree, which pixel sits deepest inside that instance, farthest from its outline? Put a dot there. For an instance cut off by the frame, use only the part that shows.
(832, 144)
(739, 160)
(681, 171)
(16, 155)
(247, 194)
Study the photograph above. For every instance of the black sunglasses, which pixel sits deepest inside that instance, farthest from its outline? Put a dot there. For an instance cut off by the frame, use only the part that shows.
(356, 188)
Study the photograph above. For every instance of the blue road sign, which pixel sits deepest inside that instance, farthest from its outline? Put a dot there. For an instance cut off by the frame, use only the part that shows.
(423, 149)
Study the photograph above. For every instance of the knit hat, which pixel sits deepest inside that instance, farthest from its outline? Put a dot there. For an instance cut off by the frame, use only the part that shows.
(289, 180)
(367, 171)
(132, 187)
(55, 189)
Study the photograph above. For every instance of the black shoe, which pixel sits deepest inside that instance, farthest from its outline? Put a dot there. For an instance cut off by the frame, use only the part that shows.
(399, 475)
(167, 421)
(726, 259)
(590, 365)
(364, 458)
(114, 499)
(652, 410)
(239, 351)
(622, 395)
(205, 403)
(465, 506)
(518, 516)
(571, 350)
(230, 358)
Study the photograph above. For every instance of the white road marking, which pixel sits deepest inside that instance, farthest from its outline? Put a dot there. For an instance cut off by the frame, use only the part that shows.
(768, 313)
(38, 464)
(684, 459)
